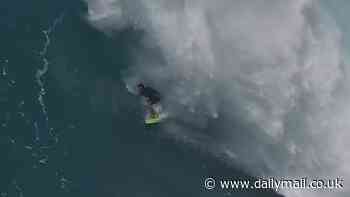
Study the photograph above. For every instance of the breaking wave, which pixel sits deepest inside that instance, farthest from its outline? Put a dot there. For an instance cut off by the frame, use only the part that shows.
(261, 84)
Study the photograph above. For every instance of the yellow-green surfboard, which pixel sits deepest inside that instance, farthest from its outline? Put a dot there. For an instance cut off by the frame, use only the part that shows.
(153, 119)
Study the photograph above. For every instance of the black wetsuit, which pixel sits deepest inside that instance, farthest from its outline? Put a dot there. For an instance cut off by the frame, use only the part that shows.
(151, 95)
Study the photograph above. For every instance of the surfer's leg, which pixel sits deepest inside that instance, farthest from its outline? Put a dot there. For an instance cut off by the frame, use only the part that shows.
(151, 105)
(153, 111)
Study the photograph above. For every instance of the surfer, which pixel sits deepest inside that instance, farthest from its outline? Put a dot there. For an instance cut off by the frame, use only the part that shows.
(152, 97)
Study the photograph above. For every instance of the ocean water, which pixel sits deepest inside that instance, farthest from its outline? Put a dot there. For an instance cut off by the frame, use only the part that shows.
(70, 127)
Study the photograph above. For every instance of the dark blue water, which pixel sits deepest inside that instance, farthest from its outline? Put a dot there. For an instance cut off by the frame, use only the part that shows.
(74, 130)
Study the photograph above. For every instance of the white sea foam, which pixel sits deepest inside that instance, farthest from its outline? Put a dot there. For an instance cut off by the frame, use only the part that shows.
(268, 76)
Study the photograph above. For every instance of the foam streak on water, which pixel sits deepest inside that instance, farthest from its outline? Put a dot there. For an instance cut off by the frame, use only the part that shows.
(38, 148)
(41, 72)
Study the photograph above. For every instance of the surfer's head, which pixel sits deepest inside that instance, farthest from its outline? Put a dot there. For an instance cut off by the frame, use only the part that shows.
(140, 87)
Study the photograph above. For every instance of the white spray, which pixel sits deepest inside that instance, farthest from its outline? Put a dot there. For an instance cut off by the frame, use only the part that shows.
(267, 76)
